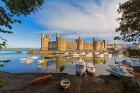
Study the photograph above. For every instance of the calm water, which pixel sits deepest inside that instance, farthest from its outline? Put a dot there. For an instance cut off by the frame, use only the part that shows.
(59, 64)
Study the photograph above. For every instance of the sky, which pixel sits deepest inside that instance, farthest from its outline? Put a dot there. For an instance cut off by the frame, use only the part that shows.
(70, 18)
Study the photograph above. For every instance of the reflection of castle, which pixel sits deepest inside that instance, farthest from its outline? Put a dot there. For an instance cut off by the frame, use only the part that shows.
(62, 44)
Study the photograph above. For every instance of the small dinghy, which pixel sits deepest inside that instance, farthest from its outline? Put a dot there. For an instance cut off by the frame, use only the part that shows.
(41, 79)
(90, 68)
(65, 84)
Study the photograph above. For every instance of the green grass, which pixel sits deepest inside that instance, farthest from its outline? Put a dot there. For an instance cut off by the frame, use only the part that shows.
(2, 82)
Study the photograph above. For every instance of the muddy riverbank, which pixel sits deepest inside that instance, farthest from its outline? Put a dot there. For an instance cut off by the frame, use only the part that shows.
(20, 83)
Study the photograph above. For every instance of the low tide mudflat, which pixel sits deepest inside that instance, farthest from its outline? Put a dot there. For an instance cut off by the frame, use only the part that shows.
(20, 83)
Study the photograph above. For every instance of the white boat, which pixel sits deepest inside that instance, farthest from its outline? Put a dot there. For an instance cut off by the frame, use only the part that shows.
(26, 60)
(82, 53)
(90, 68)
(89, 54)
(33, 57)
(109, 55)
(80, 67)
(105, 53)
(75, 55)
(96, 53)
(66, 53)
(41, 61)
(23, 59)
(101, 55)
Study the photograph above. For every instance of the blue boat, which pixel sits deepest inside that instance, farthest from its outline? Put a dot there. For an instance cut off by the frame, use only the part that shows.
(120, 72)
(49, 62)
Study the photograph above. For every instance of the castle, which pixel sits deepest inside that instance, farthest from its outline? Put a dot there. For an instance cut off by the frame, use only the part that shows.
(61, 44)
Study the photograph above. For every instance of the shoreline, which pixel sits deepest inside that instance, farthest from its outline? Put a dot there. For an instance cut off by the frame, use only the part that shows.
(20, 83)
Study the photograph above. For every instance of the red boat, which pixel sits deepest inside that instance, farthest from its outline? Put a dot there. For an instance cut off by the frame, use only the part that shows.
(41, 79)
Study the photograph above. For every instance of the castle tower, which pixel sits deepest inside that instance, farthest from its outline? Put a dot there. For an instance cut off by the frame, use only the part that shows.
(80, 44)
(105, 46)
(57, 35)
(43, 35)
(44, 42)
(93, 41)
(48, 36)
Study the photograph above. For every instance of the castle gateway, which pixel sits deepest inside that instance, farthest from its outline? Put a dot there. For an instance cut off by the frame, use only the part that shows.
(61, 44)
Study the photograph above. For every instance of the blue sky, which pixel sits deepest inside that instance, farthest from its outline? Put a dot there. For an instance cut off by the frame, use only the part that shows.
(70, 18)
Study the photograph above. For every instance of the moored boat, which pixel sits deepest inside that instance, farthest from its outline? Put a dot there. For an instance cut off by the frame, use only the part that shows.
(66, 53)
(120, 71)
(75, 55)
(33, 57)
(109, 55)
(42, 61)
(96, 53)
(25, 60)
(4, 60)
(80, 67)
(101, 55)
(82, 53)
(90, 68)
(89, 54)
(105, 53)
(49, 56)
(65, 84)
(66, 57)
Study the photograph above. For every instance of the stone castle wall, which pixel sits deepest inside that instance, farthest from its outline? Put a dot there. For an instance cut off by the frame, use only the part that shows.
(88, 46)
(61, 44)
(71, 46)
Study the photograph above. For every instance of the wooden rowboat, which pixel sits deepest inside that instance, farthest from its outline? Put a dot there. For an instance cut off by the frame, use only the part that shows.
(40, 79)
(65, 84)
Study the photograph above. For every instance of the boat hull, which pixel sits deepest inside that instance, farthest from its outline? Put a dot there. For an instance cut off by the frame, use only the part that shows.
(40, 79)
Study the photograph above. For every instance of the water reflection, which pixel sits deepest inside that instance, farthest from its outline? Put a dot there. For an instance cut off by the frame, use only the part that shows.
(58, 64)
(67, 65)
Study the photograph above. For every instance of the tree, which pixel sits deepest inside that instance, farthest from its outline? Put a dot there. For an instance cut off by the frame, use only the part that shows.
(129, 21)
(11, 10)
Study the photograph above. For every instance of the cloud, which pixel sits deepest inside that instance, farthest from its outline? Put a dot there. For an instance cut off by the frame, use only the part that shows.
(84, 19)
